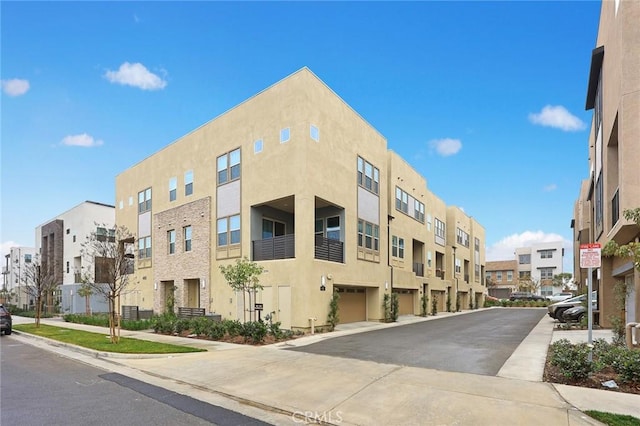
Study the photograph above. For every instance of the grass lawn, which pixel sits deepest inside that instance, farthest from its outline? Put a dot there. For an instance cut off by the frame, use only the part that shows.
(101, 342)
(614, 419)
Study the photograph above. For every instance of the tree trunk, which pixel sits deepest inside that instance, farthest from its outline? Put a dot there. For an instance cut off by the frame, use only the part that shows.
(87, 305)
(38, 310)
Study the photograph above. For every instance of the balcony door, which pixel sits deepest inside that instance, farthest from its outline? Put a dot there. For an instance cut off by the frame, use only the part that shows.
(272, 228)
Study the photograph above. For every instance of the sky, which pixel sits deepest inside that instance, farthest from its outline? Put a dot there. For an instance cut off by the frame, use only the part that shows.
(486, 100)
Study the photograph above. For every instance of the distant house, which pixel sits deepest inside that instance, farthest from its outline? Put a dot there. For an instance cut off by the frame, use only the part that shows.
(501, 278)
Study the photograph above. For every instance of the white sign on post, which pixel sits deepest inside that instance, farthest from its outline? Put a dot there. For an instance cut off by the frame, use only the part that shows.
(590, 255)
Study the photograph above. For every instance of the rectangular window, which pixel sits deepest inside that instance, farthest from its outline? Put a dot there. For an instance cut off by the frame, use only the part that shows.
(462, 237)
(314, 132)
(171, 239)
(546, 254)
(319, 227)
(429, 222)
(187, 238)
(368, 176)
(188, 182)
(546, 273)
(144, 200)
(524, 259)
(499, 276)
(27, 258)
(67, 267)
(397, 247)
(285, 134)
(418, 213)
(257, 146)
(440, 228)
(173, 188)
(144, 248)
(333, 228)
(509, 276)
(229, 230)
(368, 235)
(228, 166)
(104, 235)
(402, 201)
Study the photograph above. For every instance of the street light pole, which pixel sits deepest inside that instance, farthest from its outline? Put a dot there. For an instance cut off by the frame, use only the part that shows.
(456, 277)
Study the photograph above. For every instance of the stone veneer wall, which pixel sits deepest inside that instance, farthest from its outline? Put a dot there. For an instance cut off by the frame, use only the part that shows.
(182, 266)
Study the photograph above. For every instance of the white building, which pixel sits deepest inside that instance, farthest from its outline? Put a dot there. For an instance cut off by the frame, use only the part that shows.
(59, 243)
(14, 275)
(541, 262)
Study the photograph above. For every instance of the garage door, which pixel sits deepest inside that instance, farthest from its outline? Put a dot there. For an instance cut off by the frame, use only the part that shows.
(405, 301)
(352, 305)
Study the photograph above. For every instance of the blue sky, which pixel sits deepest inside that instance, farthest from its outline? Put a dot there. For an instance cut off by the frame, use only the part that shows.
(484, 99)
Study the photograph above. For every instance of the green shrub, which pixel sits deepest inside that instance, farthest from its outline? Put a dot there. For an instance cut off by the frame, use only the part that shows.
(395, 306)
(163, 323)
(333, 317)
(254, 331)
(216, 330)
(628, 365)
(434, 305)
(232, 327)
(573, 360)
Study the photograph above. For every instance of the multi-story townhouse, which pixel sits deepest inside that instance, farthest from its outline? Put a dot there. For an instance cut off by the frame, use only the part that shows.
(296, 180)
(59, 249)
(613, 185)
(17, 260)
(502, 278)
(540, 263)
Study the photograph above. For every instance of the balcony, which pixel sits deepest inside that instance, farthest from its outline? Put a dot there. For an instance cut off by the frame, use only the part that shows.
(328, 249)
(280, 247)
(418, 269)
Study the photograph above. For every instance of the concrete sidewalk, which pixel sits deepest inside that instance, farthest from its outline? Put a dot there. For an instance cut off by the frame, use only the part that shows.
(294, 387)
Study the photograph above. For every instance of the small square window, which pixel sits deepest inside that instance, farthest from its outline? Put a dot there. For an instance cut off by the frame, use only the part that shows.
(121, 204)
(314, 133)
(68, 231)
(188, 183)
(130, 201)
(285, 134)
(257, 146)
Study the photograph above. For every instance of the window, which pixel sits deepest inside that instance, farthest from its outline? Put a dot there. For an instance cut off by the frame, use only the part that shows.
(509, 276)
(68, 231)
(173, 188)
(187, 238)
(144, 200)
(599, 195)
(440, 228)
(402, 200)
(368, 176)
(314, 132)
(429, 222)
(188, 183)
(498, 276)
(171, 238)
(67, 267)
(524, 275)
(229, 167)
(546, 254)
(27, 258)
(524, 259)
(130, 201)
(418, 213)
(546, 273)
(144, 248)
(121, 204)
(104, 234)
(229, 230)
(319, 227)
(257, 146)
(333, 228)
(273, 228)
(285, 135)
(462, 237)
(368, 235)
(74, 238)
(487, 275)
(397, 247)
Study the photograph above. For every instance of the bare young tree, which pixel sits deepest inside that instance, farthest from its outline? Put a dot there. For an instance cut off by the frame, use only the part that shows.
(244, 276)
(110, 251)
(40, 284)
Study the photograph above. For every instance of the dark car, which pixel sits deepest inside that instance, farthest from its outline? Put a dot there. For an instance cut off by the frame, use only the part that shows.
(575, 314)
(524, 295)
(557, 309)
(5, 320)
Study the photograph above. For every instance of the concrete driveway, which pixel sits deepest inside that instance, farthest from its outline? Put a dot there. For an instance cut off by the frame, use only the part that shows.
(478, 342)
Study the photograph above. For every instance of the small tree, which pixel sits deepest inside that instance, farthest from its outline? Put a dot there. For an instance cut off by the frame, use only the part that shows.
(333, 318)
(243, 276)
(110, 251)
(562, 280)
(527, 283)
(448, 301)
(395, 307)
(434, 305)
(424, 301)
(40, 283)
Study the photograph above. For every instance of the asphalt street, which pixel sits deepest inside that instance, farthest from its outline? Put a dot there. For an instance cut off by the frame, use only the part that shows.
(478, 342)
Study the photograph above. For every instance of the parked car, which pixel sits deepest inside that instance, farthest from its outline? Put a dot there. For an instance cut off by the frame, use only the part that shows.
(5, 320)
(575, 314)
(559, 297)
(557, 309)
(524, 295)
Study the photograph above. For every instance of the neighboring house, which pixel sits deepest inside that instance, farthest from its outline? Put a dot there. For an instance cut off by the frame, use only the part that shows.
(59, 244)
(296, 180)
(540, 263)
(501, 278)
(613, 183)
(16, 261)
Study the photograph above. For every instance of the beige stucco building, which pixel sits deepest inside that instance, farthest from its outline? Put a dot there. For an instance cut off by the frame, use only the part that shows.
(613, 185)
(297, 181)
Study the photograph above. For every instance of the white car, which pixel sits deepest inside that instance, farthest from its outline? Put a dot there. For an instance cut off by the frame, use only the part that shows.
(559, 297)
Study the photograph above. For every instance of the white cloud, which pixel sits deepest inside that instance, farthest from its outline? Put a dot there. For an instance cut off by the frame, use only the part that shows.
(550, 187)
(506, 247)
(136, 75)
(83, 140)
(557, 117)
(15, 87)
(445, 147)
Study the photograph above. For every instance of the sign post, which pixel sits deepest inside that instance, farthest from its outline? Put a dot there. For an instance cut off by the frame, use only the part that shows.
(590, 257)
